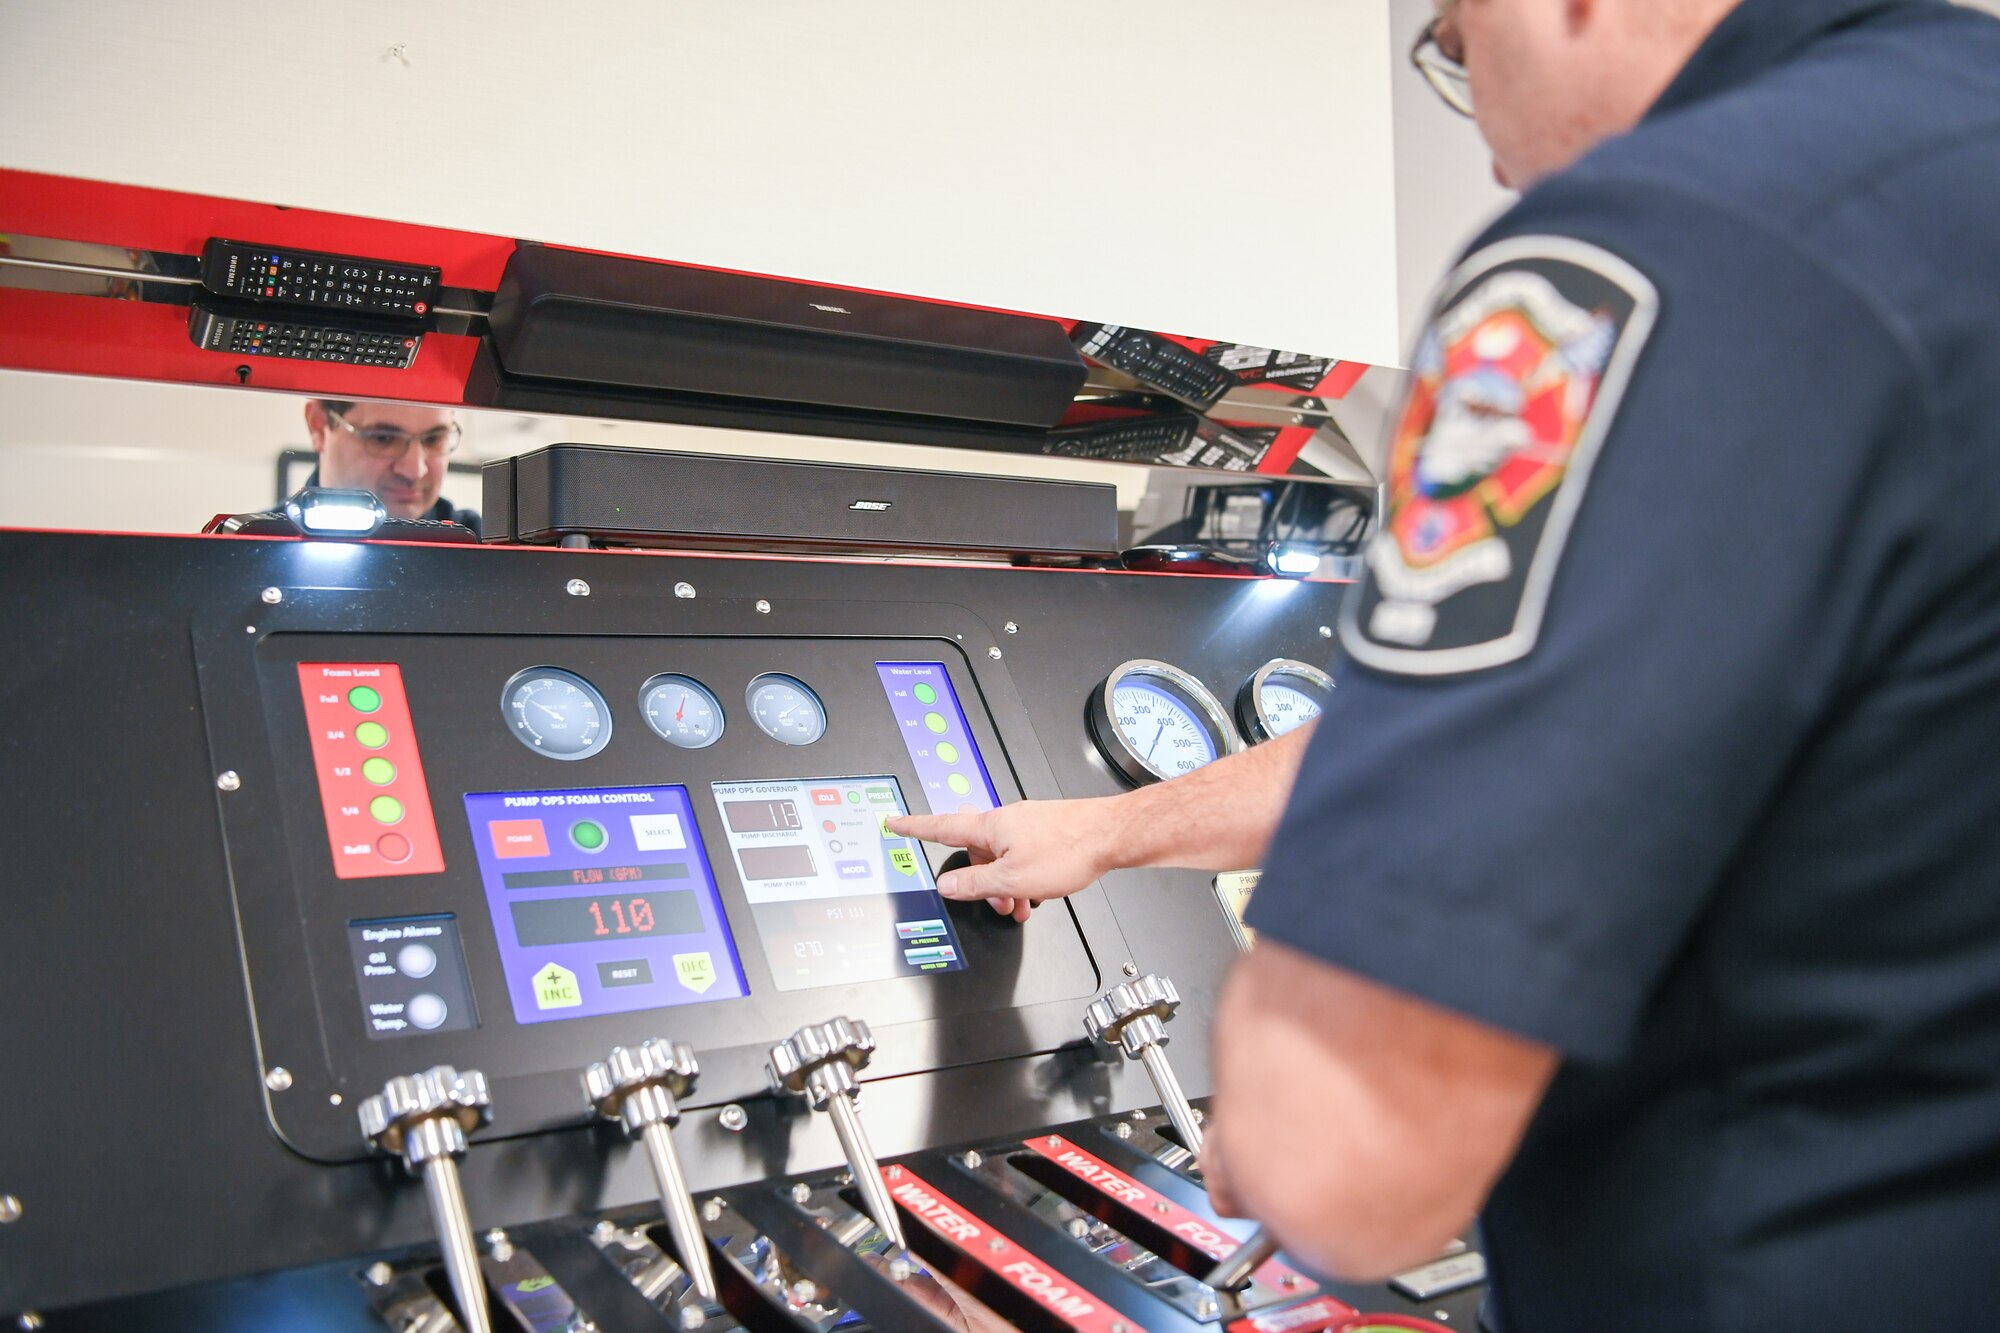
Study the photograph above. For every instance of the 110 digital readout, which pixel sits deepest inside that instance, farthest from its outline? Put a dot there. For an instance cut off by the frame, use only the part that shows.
(583, 920)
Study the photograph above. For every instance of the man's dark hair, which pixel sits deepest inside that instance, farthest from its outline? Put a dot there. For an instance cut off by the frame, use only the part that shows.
(341, 406)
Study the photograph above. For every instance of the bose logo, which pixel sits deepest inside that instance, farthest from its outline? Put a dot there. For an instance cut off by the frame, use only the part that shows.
(872, 506)
(830, 309)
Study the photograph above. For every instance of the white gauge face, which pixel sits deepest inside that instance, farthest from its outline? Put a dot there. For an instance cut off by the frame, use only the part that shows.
(1284, 695)
(556, 713)
(786, 709)
(681, 711)
(1164, 731)
(1287, 706)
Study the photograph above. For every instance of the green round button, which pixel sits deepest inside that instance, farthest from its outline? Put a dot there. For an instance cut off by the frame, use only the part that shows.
(386, 810)
(372, 734)
(947, 752)
(854, 798)
(378, 771)
(363, 699)
(587, 834)
(925, 694)
(936, 722)
(959, 783)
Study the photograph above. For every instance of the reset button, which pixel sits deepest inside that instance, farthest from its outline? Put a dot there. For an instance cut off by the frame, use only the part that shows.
(631, 972)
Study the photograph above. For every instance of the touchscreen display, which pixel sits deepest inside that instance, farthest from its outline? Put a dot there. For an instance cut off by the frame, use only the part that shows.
(602, 901)
(837, 898)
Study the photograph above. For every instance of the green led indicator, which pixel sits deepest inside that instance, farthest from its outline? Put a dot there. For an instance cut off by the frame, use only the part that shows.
(925, 694)
(363, 699)
(947, 752)
(588, 834)
(378, 771)
(372, 734)
(936, 722)
(386, 810)
(959, 783)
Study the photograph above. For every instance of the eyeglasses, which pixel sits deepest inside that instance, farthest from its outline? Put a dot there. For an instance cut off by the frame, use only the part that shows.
(389, 442)
(1439, 56)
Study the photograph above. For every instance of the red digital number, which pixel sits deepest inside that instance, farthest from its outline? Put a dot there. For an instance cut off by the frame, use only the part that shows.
(642, 915)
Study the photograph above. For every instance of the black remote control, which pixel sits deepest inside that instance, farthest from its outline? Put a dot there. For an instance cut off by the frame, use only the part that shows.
(270, 274)
(253, 333)
(1158, 363)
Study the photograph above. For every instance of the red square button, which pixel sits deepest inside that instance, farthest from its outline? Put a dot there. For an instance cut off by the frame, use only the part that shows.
(825, 796)
(518, 837)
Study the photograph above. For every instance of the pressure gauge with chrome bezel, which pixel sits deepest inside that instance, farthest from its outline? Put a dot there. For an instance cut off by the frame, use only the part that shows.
(1154, 721)
(1283, 695)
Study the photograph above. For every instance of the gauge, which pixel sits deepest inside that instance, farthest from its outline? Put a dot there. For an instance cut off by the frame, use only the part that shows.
(557, 713)
(1283, 695)
(1156, 721)
(786, 709)
(681, 711)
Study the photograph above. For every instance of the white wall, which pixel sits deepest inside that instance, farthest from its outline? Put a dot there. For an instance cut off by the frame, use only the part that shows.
(1125, 160)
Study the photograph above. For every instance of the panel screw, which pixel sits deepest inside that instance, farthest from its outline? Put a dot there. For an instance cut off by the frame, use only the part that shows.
(227, 780)
(693, 1316)
(249, 629)
(900, 1270)
(333, 1099)
(1326, 631)
(996, 1245)
(496, 1237)
(604, 1233)
(711, 1211)
(804, 1292)
(895, 1173)
(973, 1159)
(1010, 628)
(1122, 1130)
(993, 653)
(278, 1079)
(1130, 969)
(272, 596)
(1199, 1118)
(1289, 1281)
(763, 607)
(379, 1274)
(10, 1209)
(1162, 1206)
(1442, 1316)
(577, 588)
(844, 1179)
(802, 1193)
(1138, 1113)
(684, 590)
(1078, 1228)
(29, 1321)
(1206, 1308)
(1120, 1326)
(734, 1118)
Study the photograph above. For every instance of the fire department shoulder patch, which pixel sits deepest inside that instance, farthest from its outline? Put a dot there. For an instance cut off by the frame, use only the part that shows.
(1511, 392)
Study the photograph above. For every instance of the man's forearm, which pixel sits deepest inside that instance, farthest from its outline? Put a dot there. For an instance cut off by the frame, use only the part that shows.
(1220, 817)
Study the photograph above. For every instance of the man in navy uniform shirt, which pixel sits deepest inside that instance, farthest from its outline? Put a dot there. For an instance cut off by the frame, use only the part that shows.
(1640, 887)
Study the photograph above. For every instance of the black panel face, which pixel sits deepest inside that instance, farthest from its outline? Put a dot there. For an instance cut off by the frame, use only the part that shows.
(585, 907)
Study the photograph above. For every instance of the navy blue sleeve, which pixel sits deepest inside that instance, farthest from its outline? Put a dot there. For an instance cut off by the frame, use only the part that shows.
(1528, 833)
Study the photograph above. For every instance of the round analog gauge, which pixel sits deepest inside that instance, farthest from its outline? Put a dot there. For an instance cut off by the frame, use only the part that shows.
(1156, 721)
(557, 713)
(786, 709)
(681, 711)
(1283, 695)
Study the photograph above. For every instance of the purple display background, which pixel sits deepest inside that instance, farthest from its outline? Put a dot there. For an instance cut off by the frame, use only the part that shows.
(899, 681)
(520, 965)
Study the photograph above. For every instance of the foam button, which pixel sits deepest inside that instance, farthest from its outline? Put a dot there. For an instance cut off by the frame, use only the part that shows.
(426, 1011)
(363, 699)
(378, 770)
(416, 960)
(372, 734)
(393, 847)
(386, 810)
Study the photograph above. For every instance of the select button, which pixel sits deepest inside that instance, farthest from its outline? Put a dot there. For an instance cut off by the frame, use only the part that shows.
(631, 972)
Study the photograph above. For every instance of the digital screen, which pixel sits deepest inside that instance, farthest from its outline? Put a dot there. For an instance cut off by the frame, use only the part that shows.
(602, 901)
(837, 898)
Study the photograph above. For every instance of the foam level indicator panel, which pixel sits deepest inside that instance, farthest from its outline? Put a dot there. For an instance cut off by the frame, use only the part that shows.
(371, 778)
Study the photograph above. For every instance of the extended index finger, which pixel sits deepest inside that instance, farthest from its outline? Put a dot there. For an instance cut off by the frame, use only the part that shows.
(966, 830)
